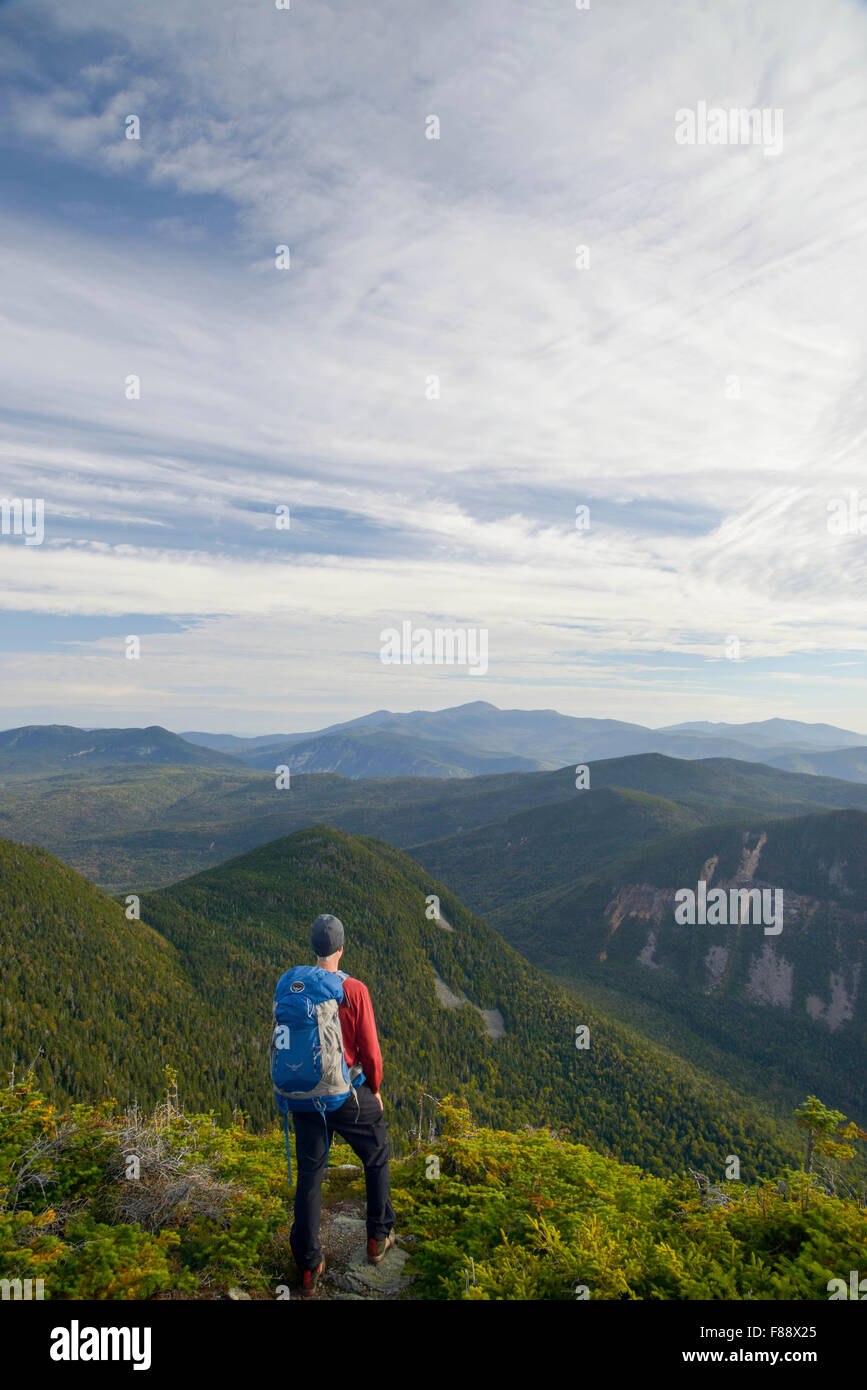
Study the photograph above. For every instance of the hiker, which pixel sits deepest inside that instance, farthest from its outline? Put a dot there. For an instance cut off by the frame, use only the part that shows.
(326, 1068)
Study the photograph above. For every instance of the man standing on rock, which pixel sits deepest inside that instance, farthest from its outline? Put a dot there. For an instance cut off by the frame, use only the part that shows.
(359, 1121)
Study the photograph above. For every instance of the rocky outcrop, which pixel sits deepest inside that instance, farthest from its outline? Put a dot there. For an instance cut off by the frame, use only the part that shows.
(765, 969)
(495, 1024)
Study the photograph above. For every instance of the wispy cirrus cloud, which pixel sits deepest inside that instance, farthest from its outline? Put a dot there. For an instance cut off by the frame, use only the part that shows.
(699, 384)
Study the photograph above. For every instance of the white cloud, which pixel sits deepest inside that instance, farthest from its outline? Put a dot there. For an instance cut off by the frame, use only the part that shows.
(455, 257)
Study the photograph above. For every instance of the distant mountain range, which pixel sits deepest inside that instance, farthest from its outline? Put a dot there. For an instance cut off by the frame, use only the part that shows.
(848, 763)
(140, 826)
(466, 741)
(478, 738)
(774, 732)
(56, 748)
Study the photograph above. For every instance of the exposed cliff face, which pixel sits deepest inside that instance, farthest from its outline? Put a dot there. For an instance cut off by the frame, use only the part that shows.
(812, 967)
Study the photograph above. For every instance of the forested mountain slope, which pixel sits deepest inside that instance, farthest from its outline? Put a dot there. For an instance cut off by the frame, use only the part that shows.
(110, 1002)
(793, 1000)
(133, 827)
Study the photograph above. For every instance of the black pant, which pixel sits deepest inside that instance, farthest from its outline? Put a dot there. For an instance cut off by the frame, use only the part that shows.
(358, 1121)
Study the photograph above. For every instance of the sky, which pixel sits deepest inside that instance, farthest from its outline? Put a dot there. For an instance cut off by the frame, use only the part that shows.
(512, 289)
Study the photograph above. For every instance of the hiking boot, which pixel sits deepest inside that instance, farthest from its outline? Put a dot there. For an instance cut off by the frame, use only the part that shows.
(310, 1280)
(376, 1248)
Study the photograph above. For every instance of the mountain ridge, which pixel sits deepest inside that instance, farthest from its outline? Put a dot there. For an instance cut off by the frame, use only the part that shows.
(35, 748)
(374, 744)
(140, 826)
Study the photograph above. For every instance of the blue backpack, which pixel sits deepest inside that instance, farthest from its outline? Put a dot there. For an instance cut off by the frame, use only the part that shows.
(308, 1068)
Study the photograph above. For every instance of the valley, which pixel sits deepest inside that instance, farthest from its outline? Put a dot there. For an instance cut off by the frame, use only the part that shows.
(497, 919)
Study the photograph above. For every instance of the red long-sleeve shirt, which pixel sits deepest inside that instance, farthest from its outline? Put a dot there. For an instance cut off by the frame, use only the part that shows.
(358, 1025)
